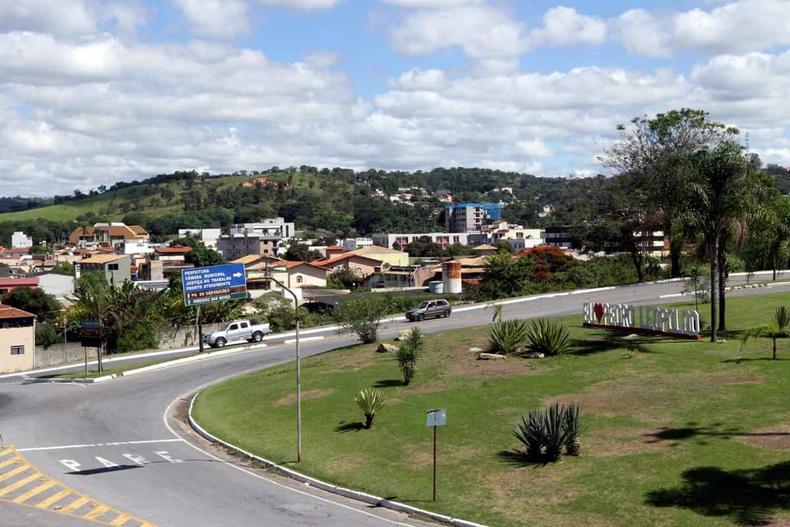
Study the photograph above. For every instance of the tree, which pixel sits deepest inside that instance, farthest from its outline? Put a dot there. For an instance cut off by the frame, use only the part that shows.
(423, 247)
(547, 260)
(768, 244)
(361, 315)
(36, 301)
(200, 255)
(344, 278)
(658, 151)
(723, 193)
(301, 253)
(506, 276)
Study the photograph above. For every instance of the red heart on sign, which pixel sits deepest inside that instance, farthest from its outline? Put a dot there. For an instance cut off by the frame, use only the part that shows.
(598, 309)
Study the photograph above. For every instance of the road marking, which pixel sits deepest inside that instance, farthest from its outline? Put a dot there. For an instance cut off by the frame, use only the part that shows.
(63, 500)
(164, 454)
(70, 464)
(22, 498)
(93, 445)
(303, 339)
(14, 459)
(19, 484)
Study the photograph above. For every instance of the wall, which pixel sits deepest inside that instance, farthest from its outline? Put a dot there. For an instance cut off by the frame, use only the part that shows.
(24, 336)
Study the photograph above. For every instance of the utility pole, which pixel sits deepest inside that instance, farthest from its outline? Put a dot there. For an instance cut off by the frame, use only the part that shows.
(298, 372)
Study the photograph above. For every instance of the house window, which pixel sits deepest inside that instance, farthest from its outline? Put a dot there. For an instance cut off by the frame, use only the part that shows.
(299, 279)
(17, 350)
(112, 267)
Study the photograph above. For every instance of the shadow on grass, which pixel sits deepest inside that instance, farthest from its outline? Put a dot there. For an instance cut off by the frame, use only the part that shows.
(745, 497)
(691, 431)
(388, 383)
(613, 341)
(350, 427)
(739, 360)
(518, 458)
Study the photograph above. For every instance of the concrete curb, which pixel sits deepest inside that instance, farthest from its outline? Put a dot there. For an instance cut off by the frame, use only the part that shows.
(328, 487)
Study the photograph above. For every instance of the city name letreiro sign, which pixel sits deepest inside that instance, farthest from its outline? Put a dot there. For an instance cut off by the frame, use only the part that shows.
(652, 320)
(214, 283)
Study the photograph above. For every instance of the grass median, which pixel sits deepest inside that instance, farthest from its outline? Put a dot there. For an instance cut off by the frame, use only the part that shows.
(680, 433)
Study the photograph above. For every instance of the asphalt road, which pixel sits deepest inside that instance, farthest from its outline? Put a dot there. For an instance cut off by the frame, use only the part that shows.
(114, 441)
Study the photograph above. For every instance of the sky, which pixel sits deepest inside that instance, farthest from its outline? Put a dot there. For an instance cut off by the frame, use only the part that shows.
(93, 92)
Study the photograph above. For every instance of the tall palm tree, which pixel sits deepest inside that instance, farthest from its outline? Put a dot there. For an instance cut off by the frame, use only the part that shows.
(721, 186)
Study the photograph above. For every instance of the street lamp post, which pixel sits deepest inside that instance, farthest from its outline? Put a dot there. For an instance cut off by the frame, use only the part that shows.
(298, 372)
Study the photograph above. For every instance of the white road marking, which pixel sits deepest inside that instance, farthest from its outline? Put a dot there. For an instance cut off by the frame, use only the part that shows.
(106, 462)
(164, 454)
(134, 458)
(93, 445)
(69, 464)
(303, 339)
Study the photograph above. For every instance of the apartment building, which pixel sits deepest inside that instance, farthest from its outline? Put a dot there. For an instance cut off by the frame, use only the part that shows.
(17, 339)
(470, 217)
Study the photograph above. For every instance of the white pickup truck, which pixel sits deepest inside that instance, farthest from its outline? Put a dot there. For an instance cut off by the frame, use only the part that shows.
(235, 331)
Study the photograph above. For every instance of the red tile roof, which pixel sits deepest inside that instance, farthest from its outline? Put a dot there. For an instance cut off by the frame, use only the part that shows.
(19, 282)
(174, 249)
(344, 256)
(18, 250)
(290, 264)
(12, 312)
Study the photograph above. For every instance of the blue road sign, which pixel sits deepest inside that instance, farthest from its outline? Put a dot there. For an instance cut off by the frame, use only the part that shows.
(215, 283)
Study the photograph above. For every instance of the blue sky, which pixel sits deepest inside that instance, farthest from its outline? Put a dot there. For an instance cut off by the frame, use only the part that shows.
(96, 91)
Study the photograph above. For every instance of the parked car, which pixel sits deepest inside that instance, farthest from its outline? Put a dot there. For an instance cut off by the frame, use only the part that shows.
(235, 331)
(428, 309)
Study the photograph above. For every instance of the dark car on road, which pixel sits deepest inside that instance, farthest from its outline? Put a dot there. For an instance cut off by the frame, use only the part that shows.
(430, 309)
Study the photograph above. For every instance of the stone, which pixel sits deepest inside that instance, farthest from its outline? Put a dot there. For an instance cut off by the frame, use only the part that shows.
(490, 356)
(386, 348)
(535, 355)
(403, 335)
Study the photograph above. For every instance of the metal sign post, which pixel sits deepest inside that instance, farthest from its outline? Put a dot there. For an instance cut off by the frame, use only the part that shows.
(434, 419)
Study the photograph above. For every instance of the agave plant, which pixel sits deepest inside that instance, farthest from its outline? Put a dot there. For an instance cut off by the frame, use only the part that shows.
(550, 432)
(779, 328)
(370, 400)
(547, 337)
(415, 339)
(406, 357)
(506, 336)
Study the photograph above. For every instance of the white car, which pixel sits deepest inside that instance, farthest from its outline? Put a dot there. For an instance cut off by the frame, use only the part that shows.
(236, 331)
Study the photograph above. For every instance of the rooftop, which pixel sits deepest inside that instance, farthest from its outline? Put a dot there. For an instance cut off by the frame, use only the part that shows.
(174, 249)
(12, 312)
(101, 259)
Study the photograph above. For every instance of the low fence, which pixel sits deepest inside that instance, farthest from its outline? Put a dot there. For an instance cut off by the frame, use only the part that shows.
(65, 353)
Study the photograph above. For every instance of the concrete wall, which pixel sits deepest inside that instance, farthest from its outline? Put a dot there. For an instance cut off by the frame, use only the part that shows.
(59, 354)
(24, 336)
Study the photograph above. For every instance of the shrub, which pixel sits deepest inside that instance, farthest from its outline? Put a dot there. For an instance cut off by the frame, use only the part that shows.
(548, 337)
(506, 336)
(415, 339)
(369, 400)
(406, 357)
(548, 433)
(46, 335)
(361, 315)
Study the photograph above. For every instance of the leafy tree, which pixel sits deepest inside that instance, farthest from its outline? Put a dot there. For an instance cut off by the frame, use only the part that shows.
(768, 244)
(361, 315)
(200, 255)
(506, 276)
(423, 247)
(36, 301)
(46, 335)
(344, 278)
(547, 260)
(301, 252)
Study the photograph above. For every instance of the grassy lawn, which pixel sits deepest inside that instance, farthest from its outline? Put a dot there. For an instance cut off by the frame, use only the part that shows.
(682, 433)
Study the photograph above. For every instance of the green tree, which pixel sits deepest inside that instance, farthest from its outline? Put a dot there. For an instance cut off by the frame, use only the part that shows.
(506, 276)
(779, 328)
(301, 252)
(200, 255)
(361, 315)
(36, 301)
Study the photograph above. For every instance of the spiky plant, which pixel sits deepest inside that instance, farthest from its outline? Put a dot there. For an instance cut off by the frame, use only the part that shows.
(547, 433)
(506, 336)
(548, 337)
(415, 339)
(406, 357)
(370, 400)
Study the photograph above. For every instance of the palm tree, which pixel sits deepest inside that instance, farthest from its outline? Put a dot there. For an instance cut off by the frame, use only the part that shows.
(721, 186)
(779, 328)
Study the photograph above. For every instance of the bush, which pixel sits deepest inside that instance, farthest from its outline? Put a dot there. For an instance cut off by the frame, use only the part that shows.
(548, 433)
(361, 315)
(415, 339)
(370, 400)
(506, 336)
(46, 335)
(406, 357)
(548, 337)
(141, 335)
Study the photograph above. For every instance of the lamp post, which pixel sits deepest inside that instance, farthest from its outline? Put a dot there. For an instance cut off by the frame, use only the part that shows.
(298, 372)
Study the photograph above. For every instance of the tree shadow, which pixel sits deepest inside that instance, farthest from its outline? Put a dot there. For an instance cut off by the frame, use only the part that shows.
(692, 431)
(613, 341)
(350, 427)
(388, 383)
(746, 497)
(739, 360)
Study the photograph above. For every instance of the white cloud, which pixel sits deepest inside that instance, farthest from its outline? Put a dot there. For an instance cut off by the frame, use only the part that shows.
(215, 18)
(480, 31)
(61, 17)
(736, 27)
(302, 4)
(438, 4)
(564, 25)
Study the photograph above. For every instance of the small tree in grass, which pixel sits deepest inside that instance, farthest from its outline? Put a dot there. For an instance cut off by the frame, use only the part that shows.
(370, 400)
(362, 316)
(409, 353)
(779, 328)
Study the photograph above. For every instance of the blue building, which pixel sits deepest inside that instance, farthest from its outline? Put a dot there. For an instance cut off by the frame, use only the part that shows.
(470, 217)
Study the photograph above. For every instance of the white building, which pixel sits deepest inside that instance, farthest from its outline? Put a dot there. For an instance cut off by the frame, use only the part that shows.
(443, 239)
(20, 240)
(137, 247)
(209, 237)
(352, 244)
(270, 227)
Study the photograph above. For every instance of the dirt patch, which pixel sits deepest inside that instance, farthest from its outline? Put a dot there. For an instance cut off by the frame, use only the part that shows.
(735, 378)
(311, 394)
(619, 442)
(421, 456)
(353, 360)
(774, 437)
(463, 362)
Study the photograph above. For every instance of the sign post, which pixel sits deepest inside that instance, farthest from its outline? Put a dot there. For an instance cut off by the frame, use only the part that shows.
(213, 283)
(91, 337)
(435, 418)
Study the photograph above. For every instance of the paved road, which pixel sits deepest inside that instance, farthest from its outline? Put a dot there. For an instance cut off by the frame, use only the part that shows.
(114, 443)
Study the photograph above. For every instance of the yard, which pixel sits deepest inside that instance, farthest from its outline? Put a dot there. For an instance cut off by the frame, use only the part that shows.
(680, 433)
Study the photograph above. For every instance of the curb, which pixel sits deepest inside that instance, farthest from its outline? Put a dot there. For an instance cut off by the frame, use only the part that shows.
(364, 497)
